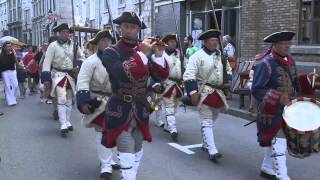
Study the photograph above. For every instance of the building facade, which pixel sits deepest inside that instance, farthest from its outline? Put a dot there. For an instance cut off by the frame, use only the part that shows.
(27, 23)
(195, 16)
(260, 18)
(46, 14)
(15, 18)
(3, 18)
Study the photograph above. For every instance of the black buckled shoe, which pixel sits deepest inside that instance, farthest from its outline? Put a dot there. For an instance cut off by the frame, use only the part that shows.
(64, 132)
(267, 176)
(70, 128)
(215, 157)
(106, 176)
(174, 136)
(116, 166)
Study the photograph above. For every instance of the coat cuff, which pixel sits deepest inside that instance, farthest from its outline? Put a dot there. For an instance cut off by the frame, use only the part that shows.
(45, 76)
(83, 97)
(158, 60)
(158, 72)
(272, 101)
(191, 86)
(305, 85)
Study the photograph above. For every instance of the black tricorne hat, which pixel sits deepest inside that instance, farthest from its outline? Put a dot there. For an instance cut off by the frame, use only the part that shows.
(130, 17)
(61, 27)
(209, 34)
(279, 36)
(168, 37)
(101, 34)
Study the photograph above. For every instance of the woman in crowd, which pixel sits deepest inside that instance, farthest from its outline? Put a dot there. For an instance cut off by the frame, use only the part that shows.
(8, 73)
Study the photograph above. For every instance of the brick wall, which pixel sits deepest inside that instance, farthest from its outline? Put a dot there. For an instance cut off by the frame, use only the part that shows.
(262, 17)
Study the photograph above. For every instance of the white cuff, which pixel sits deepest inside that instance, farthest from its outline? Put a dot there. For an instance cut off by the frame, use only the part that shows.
(193, 92)
(158, 60)
(156, 84)
(143, 58)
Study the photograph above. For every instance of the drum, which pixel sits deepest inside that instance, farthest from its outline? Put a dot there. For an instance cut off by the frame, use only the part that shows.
(302, 130)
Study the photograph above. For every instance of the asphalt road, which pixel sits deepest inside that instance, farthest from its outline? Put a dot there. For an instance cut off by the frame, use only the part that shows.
(32, 149)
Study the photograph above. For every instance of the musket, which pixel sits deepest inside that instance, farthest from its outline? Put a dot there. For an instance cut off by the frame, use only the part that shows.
(180, 47)
(223, 57)
(110, 20)
(75, 48)
(178, 38)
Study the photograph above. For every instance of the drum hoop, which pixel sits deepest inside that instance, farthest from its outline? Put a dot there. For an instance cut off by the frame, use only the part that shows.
(298, 100)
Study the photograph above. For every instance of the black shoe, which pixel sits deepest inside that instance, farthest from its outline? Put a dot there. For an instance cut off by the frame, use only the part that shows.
(1, 113)
(174, 136)
(106, 176)
(204, 149)
(64, 132)
(215, 157)
(70, 128)
(267, 176)
(162, 125)
(116, 166)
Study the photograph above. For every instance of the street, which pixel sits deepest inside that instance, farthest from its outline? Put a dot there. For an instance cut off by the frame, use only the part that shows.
(32, 148)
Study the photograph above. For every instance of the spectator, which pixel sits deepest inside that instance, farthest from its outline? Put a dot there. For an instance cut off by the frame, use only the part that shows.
(8, 73)
(21, 76)
(230, 50)
(31, 68)
(190, 48)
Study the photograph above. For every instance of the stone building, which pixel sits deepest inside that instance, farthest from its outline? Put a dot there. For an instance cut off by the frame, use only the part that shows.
(3, 18)
(14, 18)
(46, 15)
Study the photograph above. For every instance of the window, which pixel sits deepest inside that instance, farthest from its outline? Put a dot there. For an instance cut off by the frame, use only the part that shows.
(19, 14)
(92, 9)
(309, 30)
(121, 3)
(137, 1)
(34, 12)
(27, 15)
(14, 15)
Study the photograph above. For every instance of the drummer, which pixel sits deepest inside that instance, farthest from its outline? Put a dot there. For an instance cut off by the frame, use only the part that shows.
(274, 81)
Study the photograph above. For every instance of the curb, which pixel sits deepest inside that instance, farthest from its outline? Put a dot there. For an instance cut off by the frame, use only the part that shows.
(240, 113)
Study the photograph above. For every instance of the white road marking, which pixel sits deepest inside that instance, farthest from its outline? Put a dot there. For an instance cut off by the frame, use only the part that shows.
(193, 146)
(185, 149)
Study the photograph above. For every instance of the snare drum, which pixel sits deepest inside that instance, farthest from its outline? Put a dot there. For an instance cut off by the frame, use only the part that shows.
(302, 130)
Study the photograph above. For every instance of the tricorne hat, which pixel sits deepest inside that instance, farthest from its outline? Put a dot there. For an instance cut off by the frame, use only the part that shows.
(101, 34)
(61, 27)
(279, 36)
(130, 17)
(209, 34)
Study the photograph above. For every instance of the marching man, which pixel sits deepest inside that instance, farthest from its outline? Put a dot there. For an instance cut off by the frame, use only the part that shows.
(172, 92)
(60, 67)
(203, 81)
(93, 91)
(128, 110)
(275, 81)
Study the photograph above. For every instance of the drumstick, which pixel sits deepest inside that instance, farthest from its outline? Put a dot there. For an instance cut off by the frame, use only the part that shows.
(313, 77)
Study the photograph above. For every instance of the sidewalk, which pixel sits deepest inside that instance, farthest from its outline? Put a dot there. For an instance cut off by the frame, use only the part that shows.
(234, 108)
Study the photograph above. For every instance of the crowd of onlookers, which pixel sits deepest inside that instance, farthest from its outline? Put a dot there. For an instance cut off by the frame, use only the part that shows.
(20, 68)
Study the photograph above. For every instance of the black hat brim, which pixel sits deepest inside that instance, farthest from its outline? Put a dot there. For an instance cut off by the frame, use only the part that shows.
(101, 34)
(209, 34)
(62, 27)
(168, 37)
(279, 36)
(130, 18)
